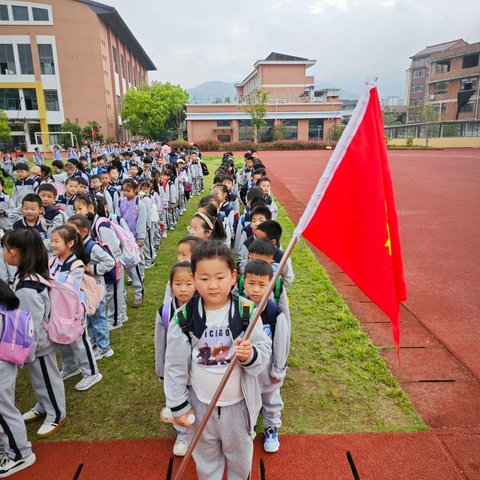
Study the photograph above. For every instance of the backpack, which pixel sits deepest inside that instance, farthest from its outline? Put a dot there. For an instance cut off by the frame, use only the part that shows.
(113, 275)
(128, 245)
(204, 168)
(165, 314)
(93, 292)
(16, 340)
(68, 309)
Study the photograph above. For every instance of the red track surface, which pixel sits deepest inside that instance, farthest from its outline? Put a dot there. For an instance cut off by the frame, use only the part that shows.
(438, 202)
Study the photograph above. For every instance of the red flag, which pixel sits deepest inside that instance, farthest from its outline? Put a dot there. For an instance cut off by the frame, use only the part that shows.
(94, 133)
(351, 216)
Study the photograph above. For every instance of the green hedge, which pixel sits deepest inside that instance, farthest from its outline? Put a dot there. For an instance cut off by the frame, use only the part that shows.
(215, 145)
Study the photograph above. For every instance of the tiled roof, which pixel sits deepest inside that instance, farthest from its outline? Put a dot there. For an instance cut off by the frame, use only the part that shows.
(436, 48)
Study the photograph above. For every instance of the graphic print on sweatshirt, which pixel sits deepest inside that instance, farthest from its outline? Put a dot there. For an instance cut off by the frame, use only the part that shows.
(215, 348)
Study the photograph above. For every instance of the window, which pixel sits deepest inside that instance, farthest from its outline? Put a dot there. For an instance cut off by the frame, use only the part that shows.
(129, 72)
(9, 99)
(467, 108)
(291, 129)
(452, 130)
(47, 64)
(417, 88)
(443, 67)
(51, 100)
(418, 73)
(440, 108)
(30, 97)
(315, 129)
(441, 87)
(134, 75)
(115, 61)
(470, 61)
(472, 129)
(245, 130)
(416, 103)
(40, 14)
(25, 56)
(224, 138)
(223, 123)
(119, 104)
(122, 63)
(7, 60)
(4, 13)
(20, 14)
(469, 83)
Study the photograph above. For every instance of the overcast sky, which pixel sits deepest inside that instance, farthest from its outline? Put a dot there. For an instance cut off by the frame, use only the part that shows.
(195, 41)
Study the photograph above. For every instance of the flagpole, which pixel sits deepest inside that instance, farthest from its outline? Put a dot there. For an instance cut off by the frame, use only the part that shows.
(256, 315)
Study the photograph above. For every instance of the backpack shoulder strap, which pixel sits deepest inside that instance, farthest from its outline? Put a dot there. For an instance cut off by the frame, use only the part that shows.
(182, 322)
(88, 247)
(277, 290)
(166, 307)
(241, 285)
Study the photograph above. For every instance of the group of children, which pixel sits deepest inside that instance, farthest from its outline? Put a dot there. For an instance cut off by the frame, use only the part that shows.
(208, 305)
(65, 219)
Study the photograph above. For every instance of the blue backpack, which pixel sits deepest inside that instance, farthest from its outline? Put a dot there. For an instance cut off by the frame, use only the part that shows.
(17, 336)
(113, 275)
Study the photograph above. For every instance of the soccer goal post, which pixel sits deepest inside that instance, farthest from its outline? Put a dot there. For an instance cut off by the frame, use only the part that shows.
(54, 138)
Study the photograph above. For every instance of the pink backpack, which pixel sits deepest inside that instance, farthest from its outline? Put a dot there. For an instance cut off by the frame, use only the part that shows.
(17, 335)
(68, 309)
(128, 245)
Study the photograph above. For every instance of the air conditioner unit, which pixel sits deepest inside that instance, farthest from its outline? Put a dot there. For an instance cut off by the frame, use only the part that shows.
(431, 97)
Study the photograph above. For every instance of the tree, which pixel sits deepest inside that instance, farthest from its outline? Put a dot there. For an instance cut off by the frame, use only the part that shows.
(391, 116)
(87, 132)
(336, 132)
(5, 132)
(278, 132)
(68, 126)
(428, 115)
(146, 108)
(256, 104)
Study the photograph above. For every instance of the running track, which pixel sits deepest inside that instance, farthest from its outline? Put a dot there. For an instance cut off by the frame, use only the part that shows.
(438, 203)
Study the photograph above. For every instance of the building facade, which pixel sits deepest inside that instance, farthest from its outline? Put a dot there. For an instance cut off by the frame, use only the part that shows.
(65, 59)
(293, 103)
(438, 75)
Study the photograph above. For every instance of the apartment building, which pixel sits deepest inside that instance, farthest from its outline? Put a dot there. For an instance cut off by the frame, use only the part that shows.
(293, 102)
(438, 76)
(453, 84)
(65, 59)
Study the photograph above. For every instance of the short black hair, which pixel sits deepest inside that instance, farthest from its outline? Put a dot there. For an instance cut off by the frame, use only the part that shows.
(82, 181)
(21, 166)
(47, 187)
(258, 267)
(34, 198)
(260, 246)
(272, 229)
(58, 163)
(212, 249)
(178, 266)
(261, 210)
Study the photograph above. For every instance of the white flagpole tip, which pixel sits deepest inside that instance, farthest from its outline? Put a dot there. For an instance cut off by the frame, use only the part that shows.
(371, 81)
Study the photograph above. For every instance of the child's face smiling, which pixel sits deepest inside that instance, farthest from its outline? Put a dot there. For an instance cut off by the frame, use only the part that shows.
(31, 211)
(214, 281)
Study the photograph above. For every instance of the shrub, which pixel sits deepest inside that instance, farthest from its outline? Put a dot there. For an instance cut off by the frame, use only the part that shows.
(410, 142)
(214, 145)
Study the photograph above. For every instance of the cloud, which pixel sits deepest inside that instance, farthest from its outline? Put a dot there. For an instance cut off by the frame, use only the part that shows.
(320, 6)
(237, 29)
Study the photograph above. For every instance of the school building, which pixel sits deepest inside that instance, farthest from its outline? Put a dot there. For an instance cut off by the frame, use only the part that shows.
(65, 59)
(303, 112)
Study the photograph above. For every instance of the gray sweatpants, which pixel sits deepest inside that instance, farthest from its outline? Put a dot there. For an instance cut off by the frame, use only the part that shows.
(115, 297)
(136, 275)
(226, 437)
(149, 249)
(79, 354)
(272, 406)
(48, 387)
(13, 434)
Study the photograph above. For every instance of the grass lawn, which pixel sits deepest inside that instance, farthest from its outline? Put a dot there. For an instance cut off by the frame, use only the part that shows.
(336, 382)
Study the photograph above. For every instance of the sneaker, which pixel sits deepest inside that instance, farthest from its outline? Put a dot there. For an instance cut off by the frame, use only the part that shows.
(115, 327)
(137, 303)
(149, 266)
(74, 373)
(124, 319)
(129, 281)
(164, 235)
(33, 416)
(49, 428)
(87, 382)
(172, 229)
(9, 467)
(103, 353)
(180, 448)
(271, 444)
